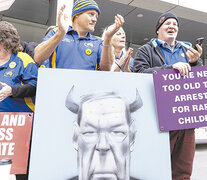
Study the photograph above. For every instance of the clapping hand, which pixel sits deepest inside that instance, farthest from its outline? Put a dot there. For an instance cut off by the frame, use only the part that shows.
(111, 30)
(124, 60)
(63, 21)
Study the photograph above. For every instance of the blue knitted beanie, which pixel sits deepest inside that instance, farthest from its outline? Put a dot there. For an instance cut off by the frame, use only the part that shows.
(84, 5)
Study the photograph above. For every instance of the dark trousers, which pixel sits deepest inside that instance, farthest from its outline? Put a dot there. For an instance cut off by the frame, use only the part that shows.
(182, 147)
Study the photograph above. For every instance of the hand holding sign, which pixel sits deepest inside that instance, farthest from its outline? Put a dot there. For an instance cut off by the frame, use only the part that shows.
(183, 68)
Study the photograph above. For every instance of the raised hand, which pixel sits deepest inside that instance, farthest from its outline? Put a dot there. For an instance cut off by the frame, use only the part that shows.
(118, 22)
(123, 63)
(63, 21)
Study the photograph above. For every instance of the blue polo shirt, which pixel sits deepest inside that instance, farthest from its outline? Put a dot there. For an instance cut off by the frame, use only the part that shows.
(74, 52)
(19, 70)
(173, 54)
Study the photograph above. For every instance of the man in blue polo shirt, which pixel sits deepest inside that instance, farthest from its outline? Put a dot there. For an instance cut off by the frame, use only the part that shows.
(165, 52)
(74, 47)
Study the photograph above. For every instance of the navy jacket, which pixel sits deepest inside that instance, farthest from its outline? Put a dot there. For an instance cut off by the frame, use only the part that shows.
(149, 58)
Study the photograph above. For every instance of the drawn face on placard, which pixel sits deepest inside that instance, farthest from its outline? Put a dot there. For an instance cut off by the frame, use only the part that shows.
(104, 134)
(103, 140)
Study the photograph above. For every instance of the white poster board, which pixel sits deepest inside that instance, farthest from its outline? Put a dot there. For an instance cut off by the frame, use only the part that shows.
(52, 154)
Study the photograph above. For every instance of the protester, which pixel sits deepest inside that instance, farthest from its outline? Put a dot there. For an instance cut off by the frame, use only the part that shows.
(122, 58)
(28, 47)
(18, 74)
(165, 52)
(74, 47)
(16, 68)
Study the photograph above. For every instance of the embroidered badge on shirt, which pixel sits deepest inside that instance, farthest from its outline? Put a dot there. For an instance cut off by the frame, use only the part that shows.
(12, 65)
(67, 40)
(88, 51)
(9, 73)
(88, 44)
(42, 66)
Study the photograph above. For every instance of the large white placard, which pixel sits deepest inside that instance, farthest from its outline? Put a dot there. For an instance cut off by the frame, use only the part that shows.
(52, 154)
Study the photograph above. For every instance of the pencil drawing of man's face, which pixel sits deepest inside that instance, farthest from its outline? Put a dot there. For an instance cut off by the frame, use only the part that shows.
(104, 134)
(103, 140)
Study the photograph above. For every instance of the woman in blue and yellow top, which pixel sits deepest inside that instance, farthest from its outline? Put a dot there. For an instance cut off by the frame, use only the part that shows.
(18, 73)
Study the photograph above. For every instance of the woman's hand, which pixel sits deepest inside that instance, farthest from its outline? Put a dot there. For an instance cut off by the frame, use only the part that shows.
(5, 92)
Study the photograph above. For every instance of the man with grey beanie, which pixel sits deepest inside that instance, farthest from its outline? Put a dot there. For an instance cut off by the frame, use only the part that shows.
(165, 52)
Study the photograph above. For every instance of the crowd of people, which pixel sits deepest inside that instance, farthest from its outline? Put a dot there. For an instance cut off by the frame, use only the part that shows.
(74, 47)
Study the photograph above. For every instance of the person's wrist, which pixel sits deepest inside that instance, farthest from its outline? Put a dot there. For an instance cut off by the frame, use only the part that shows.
(107, 45)
(126, 69)
(60, 33)
(9, 89)
(118, 65)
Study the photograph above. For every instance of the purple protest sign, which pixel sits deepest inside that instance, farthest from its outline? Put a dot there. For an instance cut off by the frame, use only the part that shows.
(181, 101)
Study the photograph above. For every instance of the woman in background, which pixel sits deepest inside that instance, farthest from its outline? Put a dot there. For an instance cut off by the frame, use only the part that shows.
(122, 58)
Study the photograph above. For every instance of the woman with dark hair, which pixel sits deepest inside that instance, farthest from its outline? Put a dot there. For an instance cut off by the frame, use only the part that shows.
(18, 74)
